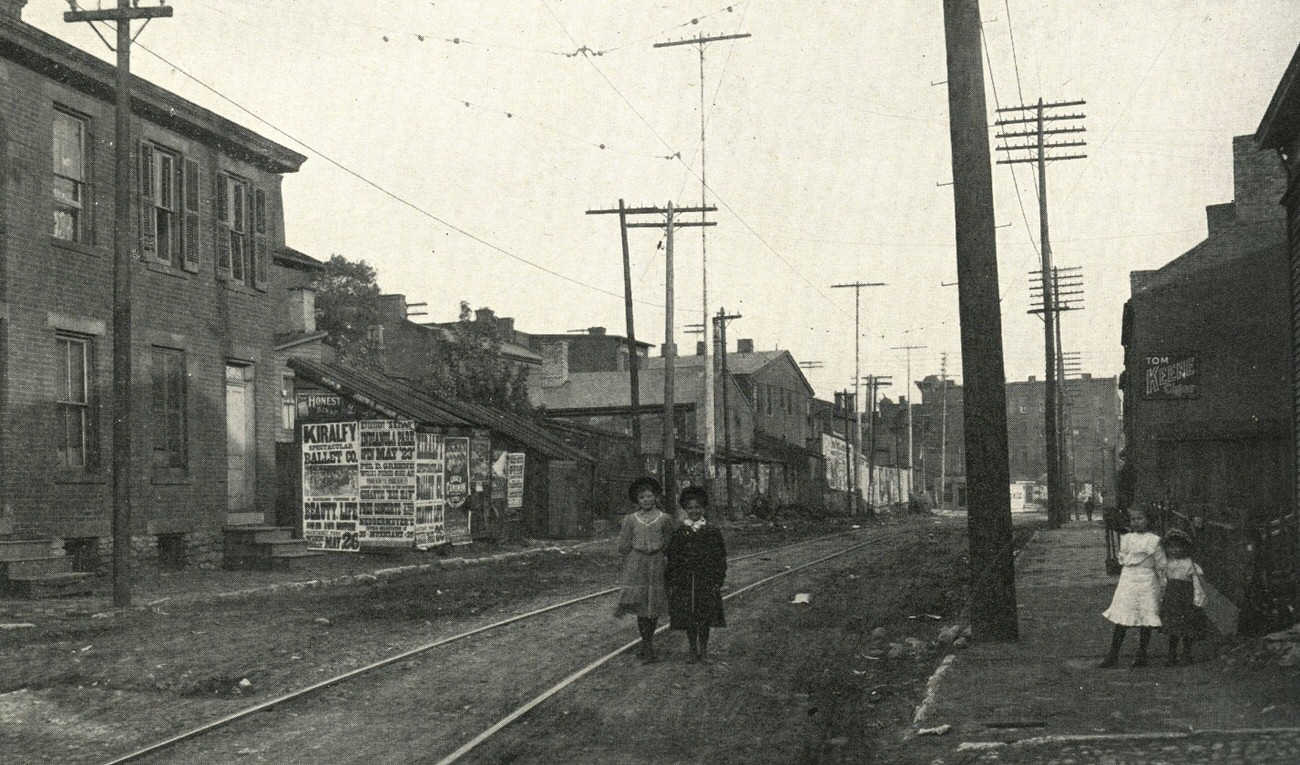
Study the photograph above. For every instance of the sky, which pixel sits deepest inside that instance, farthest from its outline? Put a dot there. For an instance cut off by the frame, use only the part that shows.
(456, 145)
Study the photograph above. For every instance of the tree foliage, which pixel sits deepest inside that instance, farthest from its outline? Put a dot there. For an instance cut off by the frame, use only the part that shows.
(468, 365)
(347, 306)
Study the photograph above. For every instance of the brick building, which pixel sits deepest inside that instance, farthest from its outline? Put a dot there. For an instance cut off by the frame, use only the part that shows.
(1092, 426)
(1207, 388)
(208, 235)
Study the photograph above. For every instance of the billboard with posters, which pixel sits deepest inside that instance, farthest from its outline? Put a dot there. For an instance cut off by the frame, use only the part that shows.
(514, 483)
(329, 486)
(386, 482)
(429, 499)
(456, 489)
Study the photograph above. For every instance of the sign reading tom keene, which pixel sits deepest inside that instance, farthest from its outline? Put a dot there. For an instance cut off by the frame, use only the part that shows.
(1171, 377)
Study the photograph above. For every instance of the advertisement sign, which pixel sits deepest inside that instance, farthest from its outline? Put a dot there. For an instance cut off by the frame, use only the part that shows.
(456, 489)
(429, 499)
(836, 457)
(1175, 376)
(329, 486)
(514, 482)
(386, 481)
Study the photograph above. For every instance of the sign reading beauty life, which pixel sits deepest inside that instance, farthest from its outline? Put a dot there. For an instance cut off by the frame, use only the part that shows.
(1170, 376)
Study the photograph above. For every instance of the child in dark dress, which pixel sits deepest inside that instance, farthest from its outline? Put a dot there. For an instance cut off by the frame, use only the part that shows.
(1181, 617)
(695, 571)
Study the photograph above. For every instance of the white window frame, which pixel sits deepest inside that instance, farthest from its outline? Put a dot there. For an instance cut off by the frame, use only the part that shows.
(71, 203)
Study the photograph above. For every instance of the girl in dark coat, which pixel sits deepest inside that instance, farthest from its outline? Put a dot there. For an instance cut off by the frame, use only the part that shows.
(696, 569)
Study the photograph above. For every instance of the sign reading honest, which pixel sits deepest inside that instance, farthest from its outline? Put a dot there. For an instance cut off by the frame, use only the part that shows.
(1170, 376)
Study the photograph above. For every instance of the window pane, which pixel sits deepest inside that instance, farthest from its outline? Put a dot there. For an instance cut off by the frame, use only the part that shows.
(68, 157)
(165, 180)
(237, 219)
(77, 372)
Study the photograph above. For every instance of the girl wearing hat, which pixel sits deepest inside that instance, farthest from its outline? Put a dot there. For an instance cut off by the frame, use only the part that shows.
(697, 567)
(642, 538)
(1181, 616)
(1136, 602)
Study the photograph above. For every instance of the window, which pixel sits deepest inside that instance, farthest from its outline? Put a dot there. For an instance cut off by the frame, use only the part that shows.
(287, 403)
(69, 177)
(169, 426)
(76, 423)
(241, 231)
(160, 189)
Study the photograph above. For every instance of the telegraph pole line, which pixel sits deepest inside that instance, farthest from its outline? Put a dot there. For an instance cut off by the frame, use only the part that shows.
(911, 473)
(669, 224)
(721, 320)
(1061, 290)
(993, 579)
(123, 416)
(1036, 151)
(874, 383)
(943, 433)
(709, 432)
(857, 368)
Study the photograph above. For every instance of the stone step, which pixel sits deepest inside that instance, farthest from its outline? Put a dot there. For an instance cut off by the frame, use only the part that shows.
(22, 549)
(49, 585)
(257, 534)
(35, 566)
(284, 559)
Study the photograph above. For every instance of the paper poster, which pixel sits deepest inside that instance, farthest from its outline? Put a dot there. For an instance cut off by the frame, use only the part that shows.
(429, 498)
(480, 462)
(515, 480)
(456, 489)
(329, 486)
(386, 481)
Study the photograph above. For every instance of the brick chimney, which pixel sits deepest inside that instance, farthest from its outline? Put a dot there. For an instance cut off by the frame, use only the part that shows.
(1220, 217)
(300, 310)
(392, 306)
(1258, 182)
(699, 347)
(745, 345)
(12, 9)
(555, 364)
(595, 330)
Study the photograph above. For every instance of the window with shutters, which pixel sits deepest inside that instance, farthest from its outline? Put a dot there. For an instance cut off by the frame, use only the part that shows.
(70, 215)
(74, 400)
(168, 407)
(169, 207)
(241, 231)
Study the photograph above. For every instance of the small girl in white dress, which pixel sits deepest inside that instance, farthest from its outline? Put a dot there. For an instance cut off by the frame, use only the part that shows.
(1136, 602)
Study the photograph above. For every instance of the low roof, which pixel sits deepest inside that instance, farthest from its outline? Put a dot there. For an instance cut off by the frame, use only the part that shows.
(400, 399)
(738, 364)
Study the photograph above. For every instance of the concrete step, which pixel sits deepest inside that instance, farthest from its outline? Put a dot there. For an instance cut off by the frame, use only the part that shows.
(48, 585)
(35, 566)
(21, 549)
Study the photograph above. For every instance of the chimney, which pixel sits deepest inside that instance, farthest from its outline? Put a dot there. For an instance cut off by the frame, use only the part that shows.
(1033, 378)
(595, 330)
(745, 345)
(392, 306)
(699, 347)
(1220, 217)
(506, 326)
(301, 310)
(1258, 182)
(484, 314)
(12, 9)
(555, 364)
(1138, 280)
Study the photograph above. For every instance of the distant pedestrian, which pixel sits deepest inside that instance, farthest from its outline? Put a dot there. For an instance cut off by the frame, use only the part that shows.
(642, 538)
(696, 569)
(1088, 507)
(1136, 602)
(1181, 616)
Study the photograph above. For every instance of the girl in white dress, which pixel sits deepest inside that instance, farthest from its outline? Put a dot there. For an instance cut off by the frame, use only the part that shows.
(1136, 602)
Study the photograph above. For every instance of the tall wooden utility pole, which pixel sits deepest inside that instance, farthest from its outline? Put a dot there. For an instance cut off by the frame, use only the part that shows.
(122, 265)
(993, 583)
(623, 211)
(857, 374)
(721, 319)
(710, 436)
(874, 383)
(943, 433)
(1037, 153)
(911, 473)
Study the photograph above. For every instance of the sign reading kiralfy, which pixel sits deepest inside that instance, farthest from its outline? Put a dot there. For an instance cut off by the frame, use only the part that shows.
(358, 484)
(1171, 376)
(329, 486)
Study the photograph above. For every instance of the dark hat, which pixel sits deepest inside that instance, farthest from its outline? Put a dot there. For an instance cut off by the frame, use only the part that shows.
(1177, 535)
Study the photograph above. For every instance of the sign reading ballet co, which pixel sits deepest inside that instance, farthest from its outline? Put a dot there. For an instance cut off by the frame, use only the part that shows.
(1171, 376)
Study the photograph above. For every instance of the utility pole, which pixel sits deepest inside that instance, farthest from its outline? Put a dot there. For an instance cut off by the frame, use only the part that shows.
(123, 418)
(993, 582)
(910, 472)
(874, 383)
(709, 432)
(1036, 152)
(848, 404)
(1060, 291)
(669, 224)
(943, 434)
(857, 368)
(721, 319)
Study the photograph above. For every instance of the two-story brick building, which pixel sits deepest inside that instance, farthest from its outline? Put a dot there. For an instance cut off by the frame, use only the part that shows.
(1094, 438)
(207, 224)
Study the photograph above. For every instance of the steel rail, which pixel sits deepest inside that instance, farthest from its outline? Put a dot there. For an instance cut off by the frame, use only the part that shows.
(573, 678)
(328, 682)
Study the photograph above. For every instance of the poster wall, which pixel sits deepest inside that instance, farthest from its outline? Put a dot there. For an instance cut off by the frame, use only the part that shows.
(330, 512)
(456, 487)
(429, 498)
(386, 481)
(514, 483)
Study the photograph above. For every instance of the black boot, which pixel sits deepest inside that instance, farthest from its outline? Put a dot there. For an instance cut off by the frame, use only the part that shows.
(648, 638)
(1172, 658)
(1116, 640)
(694, 640)
(704, 644)
(1144, 638)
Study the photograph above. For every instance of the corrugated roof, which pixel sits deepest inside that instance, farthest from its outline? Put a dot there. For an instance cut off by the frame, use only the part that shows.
(400, 398)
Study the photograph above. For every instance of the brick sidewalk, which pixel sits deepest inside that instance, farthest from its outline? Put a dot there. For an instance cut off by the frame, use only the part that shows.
(1043, 699)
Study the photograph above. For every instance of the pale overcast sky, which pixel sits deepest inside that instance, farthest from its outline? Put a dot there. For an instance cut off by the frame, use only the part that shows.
(827, 140)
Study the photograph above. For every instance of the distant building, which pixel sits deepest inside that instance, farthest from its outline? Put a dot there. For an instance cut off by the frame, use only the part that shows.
(1207, 388)
(1092, 428)
(940, 442)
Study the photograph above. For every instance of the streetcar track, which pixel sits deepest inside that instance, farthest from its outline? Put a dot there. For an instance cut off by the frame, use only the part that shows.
(237, 715)
(522, 710)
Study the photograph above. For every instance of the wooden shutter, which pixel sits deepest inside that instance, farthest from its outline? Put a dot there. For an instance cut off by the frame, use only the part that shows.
(257, 238)
(222, 221)
(190, 216)
(89, 191)
(148, 223)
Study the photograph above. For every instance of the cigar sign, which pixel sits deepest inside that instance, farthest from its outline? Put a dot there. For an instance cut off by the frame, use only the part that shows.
(1171, 376)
